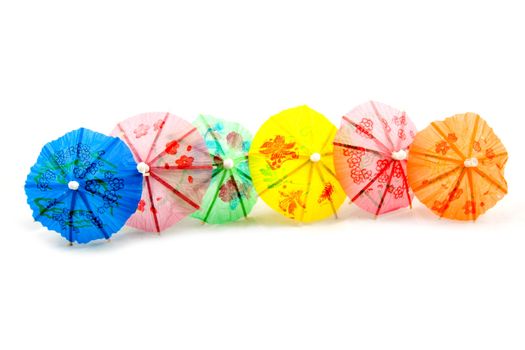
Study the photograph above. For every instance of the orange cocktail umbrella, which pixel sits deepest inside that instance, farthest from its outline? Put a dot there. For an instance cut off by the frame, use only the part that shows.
(456, 166)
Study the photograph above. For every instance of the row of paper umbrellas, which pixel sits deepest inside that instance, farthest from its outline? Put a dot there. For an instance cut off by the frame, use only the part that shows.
(157, 168)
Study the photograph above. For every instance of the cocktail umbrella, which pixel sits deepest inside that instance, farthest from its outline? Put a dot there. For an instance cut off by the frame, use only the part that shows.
(291, 162)
(456, 167)
(370, 151)
(231, 194)
(172, 156)
(84, 185)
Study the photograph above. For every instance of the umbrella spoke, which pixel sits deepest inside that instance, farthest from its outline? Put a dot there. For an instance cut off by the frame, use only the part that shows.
(451, 193)
(474, 132)
(238, 194)
(328, 169)
(53, 204)
(192, 167)
(308, 187)
(435, 156)
(491, 180)
(405, 182)
(368, 134)
(246, 176)
(174, 190)
(70, 216)
(386, 189)
(344, 145)
(215, 195)
(131, 146)
(326, 141)
(157, 137)
(437, 178)
(153, 209)
(320, 173)
(284, 177)
(50, 157)
(363, 190)
(163, 153)
(88, 206)
(444, 137)
(380, 119)
(497, 155)
(471, 187)
(210, 130)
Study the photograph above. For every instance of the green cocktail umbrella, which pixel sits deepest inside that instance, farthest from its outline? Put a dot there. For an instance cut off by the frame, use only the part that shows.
(231, 194)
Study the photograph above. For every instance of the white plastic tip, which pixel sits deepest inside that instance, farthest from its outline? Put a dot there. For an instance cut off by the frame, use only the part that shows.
(228, 164)
(143, 168)
(399, 155)
(73, 185)
(471, 163)
(315, 157)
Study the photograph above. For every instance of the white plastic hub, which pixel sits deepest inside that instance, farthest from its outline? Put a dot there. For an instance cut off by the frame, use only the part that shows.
(143, 168)
(399, 155)
(315, 157)
(471, 163)
(73, 185)
(228, 163)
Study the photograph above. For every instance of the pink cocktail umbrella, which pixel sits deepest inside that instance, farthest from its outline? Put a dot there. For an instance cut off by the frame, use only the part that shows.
(370, 151)
(172, 156)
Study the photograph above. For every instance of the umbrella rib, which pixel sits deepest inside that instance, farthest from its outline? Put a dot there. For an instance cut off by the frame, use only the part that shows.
(192, 167)
(174, 190)
(215, 196)
(437, 178)
(363, 190)
(70, 216)
(309, 186)
(178, 141)
(471, 186)
(345, 145)
(405, 182)
(444, 137)
(284, 178)
(153, 208)
(325, 142)
(474, 132)
(53, 160)
(449, 197)
(238, 194)
(497, 155)
(157, 136)
(324, 182)
(246, 176)
(130, 145)
(86, 203)
(386, 189)
(435, 156)
(328, 169)
(490, 179)
(208, 126)
(367, 133)
(380, 117)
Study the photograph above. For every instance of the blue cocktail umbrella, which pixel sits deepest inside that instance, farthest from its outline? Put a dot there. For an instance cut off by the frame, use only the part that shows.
(84, 185)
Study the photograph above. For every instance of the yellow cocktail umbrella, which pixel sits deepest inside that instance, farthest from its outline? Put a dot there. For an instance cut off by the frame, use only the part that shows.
(291, 163)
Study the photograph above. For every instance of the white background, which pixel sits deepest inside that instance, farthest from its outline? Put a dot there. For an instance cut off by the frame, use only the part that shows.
(405, 281)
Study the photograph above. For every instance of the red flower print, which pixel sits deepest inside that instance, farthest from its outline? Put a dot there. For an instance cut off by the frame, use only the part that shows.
(188, 148)
(452, 137)
(190, 179)
(398, 192)
(360, 175)
(401, 120)
(442, 147)
(401, 134)
(385, 125)
(489, 153)
(326, 195)
(364, 128)
(440, 206)
(291, 201)
(184, 162)
(381, 164)
(172, 147)
(234, 140)
(398, 170)
(476, 146)
(141, 205)
(158, 125)
(141, 130)
(228, 191)
(166, 166)
(455, 194)
(278, 151)
(469, 207)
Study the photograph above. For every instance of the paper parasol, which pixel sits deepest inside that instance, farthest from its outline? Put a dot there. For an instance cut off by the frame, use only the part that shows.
(291, 163)
(456, 167)
(370, 151)
(231, 194)
(84, 185)
(172, 156)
